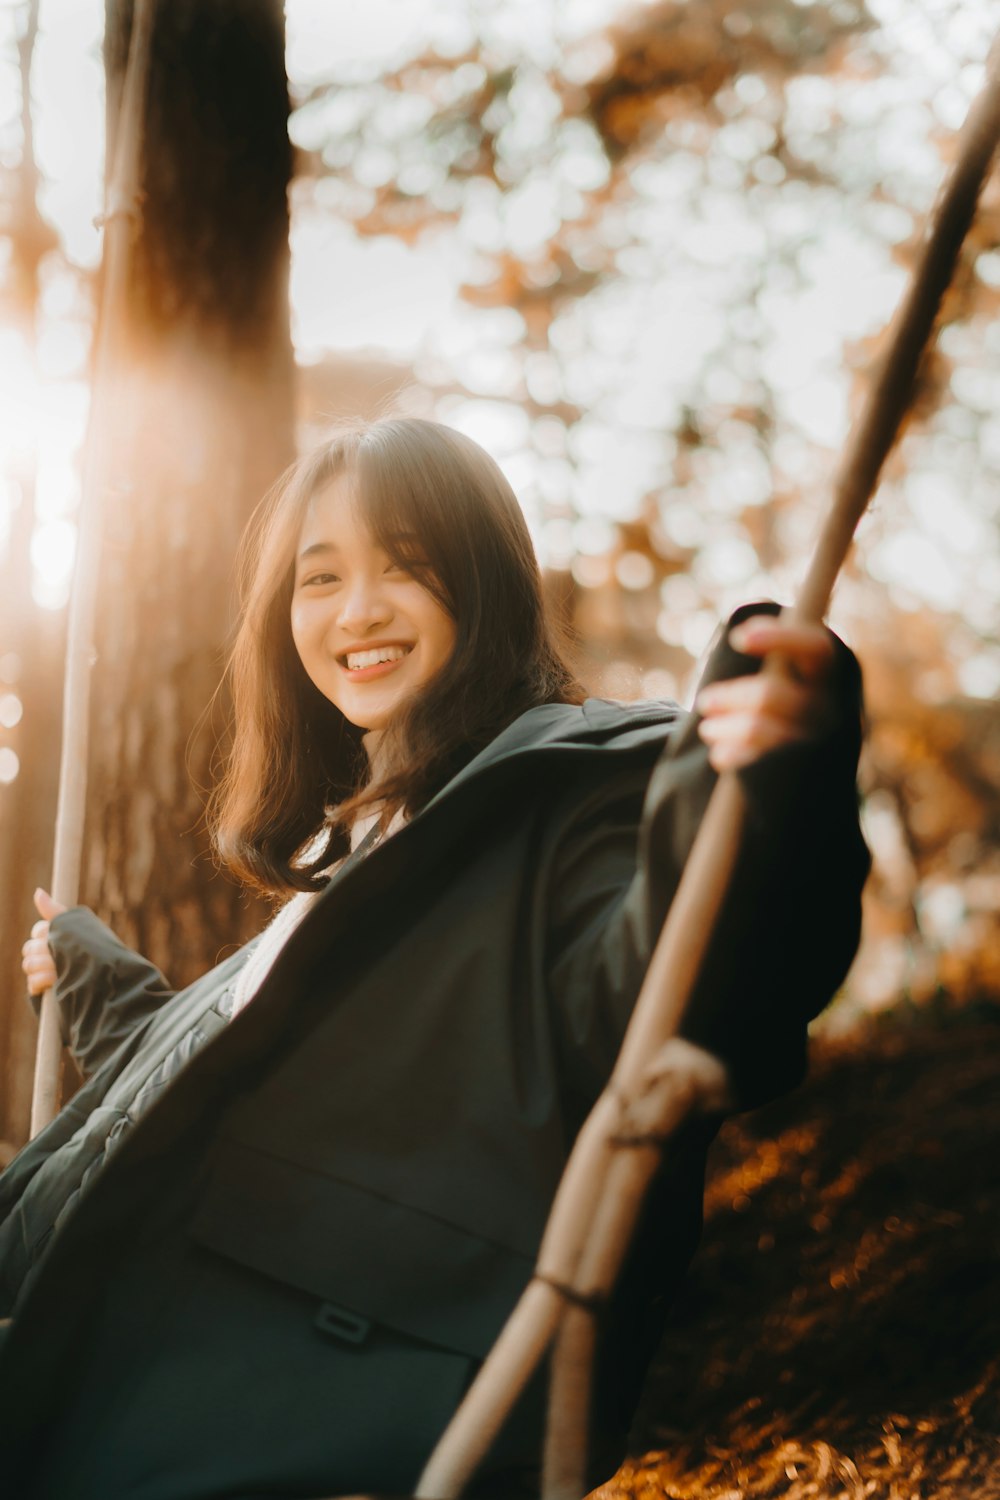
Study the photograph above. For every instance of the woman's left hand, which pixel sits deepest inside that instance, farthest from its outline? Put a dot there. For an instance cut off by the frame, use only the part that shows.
(744, 717)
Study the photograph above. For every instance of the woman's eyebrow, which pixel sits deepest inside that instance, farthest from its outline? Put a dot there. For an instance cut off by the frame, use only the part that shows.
(315, 547)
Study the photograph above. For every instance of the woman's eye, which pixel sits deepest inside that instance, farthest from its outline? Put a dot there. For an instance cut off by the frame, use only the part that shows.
(321, 579)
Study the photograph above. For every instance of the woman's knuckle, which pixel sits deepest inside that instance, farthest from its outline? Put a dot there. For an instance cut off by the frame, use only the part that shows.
(755, 730)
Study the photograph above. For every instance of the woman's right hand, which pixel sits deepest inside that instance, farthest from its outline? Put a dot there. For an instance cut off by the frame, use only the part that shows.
(37, 961)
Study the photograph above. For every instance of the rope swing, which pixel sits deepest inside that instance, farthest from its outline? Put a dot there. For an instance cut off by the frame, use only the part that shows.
(618, 1150)
(121, 219)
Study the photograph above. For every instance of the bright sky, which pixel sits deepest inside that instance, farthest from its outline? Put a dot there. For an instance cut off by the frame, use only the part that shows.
(633, 351)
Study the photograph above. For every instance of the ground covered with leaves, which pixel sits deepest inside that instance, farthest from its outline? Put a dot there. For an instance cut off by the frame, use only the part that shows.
(839, 1331)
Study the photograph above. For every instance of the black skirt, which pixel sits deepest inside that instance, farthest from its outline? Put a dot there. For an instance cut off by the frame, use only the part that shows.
(205, 1379)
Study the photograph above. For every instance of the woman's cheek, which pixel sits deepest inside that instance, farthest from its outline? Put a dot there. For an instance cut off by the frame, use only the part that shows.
(303, 623)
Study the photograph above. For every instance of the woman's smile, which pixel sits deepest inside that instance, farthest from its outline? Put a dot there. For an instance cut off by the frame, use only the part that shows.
(362, 663)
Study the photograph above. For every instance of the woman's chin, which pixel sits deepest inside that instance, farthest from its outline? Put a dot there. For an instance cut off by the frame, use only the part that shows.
(370, 713)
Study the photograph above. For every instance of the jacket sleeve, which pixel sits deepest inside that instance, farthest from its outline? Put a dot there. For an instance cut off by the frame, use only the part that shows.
(790, 921)
(104, 990)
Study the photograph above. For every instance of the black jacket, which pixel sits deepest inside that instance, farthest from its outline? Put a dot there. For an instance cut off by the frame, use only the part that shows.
(383, 1128)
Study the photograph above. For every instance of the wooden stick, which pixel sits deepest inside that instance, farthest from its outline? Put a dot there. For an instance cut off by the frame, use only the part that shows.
(120, 220)
(690, 1080)
(513, 1359)
(598, 1201)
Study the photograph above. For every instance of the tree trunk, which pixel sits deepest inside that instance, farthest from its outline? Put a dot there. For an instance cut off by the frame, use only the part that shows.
(209, 428)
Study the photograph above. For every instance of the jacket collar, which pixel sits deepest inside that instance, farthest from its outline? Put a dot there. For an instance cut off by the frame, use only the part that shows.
(553, 727)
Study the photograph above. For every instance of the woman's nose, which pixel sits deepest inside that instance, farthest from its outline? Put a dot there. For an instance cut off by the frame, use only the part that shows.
(363, 604)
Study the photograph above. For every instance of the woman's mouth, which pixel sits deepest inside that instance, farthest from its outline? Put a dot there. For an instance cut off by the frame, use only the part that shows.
(378, 661)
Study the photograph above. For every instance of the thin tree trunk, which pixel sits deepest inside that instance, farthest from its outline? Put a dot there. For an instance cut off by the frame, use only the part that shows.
(32, 642)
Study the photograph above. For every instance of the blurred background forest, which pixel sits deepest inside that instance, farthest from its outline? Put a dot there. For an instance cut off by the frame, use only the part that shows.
(643, 254)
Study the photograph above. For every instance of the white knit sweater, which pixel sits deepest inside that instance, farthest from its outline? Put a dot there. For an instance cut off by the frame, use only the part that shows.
(284, 922)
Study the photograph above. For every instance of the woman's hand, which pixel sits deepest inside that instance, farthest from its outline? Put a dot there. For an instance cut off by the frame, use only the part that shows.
(37, 961)
(744, 717)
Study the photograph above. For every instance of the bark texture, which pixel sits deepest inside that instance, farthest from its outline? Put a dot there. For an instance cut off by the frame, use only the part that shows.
(207, 429)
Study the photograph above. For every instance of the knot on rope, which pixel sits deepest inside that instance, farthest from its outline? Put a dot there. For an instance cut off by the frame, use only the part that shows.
(592, 1302)
(682, 1078)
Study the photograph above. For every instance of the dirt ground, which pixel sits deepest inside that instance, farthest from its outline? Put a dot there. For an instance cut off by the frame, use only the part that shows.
(839, 1331)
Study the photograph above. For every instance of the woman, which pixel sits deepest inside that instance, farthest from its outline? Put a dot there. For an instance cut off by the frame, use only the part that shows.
(271, 1264)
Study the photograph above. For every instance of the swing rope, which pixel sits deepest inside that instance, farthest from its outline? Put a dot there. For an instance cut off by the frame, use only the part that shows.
(121, 218)
(617, 1152)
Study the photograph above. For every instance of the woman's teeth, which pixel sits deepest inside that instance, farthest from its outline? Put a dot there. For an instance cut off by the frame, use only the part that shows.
(358, 659)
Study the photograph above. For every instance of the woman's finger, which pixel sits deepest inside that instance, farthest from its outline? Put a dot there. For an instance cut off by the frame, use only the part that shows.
(777, 696)
(40, 930)
(37, 965)
(38, 953)
(46, 905)
(809, 648)
(739, 739)
(42, 974)
(757, 731)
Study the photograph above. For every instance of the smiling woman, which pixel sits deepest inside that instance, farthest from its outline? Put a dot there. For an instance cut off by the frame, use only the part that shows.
(333, 1155)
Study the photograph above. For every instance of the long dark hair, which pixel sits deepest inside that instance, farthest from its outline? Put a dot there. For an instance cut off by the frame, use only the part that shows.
(296, 776)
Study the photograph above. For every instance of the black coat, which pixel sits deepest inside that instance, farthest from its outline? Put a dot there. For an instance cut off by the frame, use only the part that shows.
(322, 1223)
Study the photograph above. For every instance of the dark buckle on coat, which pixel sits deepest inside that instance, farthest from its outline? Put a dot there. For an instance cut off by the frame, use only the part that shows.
(341, 1323)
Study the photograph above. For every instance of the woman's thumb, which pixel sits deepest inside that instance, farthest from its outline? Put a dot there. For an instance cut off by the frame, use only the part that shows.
(46, 906)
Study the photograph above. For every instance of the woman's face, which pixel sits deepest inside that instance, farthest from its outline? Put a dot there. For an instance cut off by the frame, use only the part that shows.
(368, 634)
